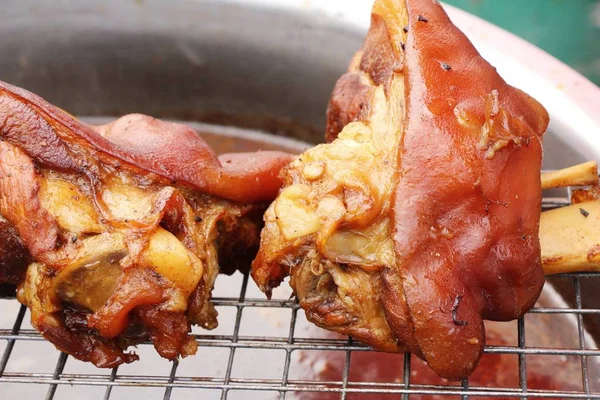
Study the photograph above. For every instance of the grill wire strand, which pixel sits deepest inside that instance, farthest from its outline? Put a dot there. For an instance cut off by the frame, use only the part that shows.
(291, 343)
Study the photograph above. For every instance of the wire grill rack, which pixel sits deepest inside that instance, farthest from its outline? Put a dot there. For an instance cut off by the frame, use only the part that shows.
(228, 385)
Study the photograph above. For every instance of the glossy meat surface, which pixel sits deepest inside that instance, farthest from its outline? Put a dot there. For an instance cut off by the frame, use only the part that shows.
(470, 166)
(116, 234)
(421, 217)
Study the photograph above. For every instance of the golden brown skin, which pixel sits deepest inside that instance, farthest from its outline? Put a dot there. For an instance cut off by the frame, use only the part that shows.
(421, 217)
(115, 234)
(470, 164)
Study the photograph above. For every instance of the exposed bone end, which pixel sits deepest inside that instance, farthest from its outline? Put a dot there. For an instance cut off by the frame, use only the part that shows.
(577, 175)
(570, 238)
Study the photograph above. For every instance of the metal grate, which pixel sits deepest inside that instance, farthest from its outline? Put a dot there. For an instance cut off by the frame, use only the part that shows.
(286, 386)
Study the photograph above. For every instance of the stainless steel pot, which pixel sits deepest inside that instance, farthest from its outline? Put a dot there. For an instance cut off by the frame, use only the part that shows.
(250, 64)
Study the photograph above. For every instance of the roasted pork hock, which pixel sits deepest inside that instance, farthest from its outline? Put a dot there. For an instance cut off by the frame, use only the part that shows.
(115, 234)
(420, 218)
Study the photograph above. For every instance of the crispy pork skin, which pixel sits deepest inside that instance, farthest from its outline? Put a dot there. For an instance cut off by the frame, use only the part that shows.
(420, 218)
(115, 234)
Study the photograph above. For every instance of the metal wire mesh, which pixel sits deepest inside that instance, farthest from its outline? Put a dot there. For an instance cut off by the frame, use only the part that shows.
(286, 387)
